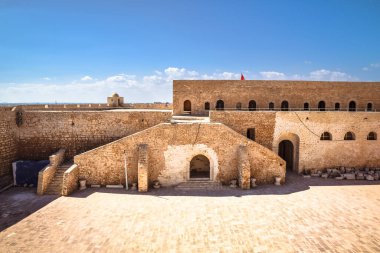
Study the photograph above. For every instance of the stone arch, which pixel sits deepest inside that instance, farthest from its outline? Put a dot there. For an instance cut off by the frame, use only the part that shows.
(369, 107)
(284, 105)
(321, 106)
(252, 105)
(295, 141)
(207, 106)
(271, 106)
(203, 150)
(238, 106)
(352, 106)
(219, 105)
(187, 106)
(199, 167)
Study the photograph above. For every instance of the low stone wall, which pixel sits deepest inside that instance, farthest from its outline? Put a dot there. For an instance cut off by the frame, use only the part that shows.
(171, 147)
(70, 180)
(46, 175)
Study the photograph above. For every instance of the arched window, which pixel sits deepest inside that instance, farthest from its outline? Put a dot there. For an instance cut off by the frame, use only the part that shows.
(352, 106)
(337, 106)
(326, 136)
(349, 136)
(305, 106)
(369, 107)
(284, 106)
(187, 106)
(321, 106)
(372, 136)
(271, 106)
(252, 105)
(219, 105)
(238, 106)
(207, 106)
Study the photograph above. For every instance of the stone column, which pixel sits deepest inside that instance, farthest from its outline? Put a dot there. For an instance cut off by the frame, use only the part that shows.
(244, 167)
(143, 168)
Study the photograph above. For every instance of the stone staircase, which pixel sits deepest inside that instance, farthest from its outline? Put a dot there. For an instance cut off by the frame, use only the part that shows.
(190, 119)
(199, 185)
(55, 186)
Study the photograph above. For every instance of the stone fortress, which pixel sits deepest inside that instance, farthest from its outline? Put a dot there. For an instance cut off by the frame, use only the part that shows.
(214, 132)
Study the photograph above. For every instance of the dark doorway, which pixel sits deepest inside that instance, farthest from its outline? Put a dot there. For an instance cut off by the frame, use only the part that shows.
(251, 133)
(200, 167)
(285, 106)
(207, 106)
(252, 105)
(187, 106)
(220, 105)
(286, 152)
(321, 106)
(352, 106)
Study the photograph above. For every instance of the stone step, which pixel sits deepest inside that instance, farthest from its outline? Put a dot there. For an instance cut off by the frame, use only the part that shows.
(199, 185)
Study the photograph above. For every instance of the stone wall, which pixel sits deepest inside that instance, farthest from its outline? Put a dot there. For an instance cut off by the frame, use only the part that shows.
(170, 150)
(44, 132)
(264, 92)
(8, 141)
(70, 180)
(262, 121)
(305, 128)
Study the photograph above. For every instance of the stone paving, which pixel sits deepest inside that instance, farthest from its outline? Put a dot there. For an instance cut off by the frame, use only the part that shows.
(305, 215)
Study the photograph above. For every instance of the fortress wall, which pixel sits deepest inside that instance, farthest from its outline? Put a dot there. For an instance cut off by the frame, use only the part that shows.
(96, 107)
(45, 132)
(264, 92)
(171, 147)
(317, 154)
(240, 121)
(8, 144)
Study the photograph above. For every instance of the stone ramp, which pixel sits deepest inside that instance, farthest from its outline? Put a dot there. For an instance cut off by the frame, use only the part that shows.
(199, 185)
(55, 186)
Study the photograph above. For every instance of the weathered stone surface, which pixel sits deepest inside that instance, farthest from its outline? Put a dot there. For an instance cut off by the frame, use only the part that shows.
(142, 170)
(171, 147)
(244, 167)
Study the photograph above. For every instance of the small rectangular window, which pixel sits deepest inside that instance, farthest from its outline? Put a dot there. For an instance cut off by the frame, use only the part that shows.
(251, 133)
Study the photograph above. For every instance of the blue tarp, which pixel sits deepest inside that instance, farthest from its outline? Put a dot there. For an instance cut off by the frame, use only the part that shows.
(26, 172)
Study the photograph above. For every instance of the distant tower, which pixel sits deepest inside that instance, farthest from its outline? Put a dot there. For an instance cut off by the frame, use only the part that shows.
(115, 100)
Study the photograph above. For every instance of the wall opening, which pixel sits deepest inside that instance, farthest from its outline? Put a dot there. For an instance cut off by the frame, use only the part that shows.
(252, 105)
(349, 136)
(372, 136)
(284, 106)
(321, 106)
(251, 133)
(337, 106)
(369, 107)
(352, 106)
(200, 167)
(238, 106)
(305, 106)
(207, 106)
(271, 106)
(187, 106)
(286, 152)
(220, 105)
(326, 136)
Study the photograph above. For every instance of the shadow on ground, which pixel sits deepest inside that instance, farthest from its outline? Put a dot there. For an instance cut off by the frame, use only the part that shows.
(294, 183)
(17, 203)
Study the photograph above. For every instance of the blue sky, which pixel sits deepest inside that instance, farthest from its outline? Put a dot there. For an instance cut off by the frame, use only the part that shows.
(82, 51)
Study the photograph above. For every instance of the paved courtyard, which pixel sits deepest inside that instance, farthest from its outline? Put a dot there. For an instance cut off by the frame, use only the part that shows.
(305, 215)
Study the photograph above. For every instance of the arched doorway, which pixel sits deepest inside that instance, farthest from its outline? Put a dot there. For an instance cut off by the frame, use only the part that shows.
(321, 106)
(252, 105)
(286, 152)
(352, 106)
(200, 167)
(187, 106)
(284, 106)
(220, 105)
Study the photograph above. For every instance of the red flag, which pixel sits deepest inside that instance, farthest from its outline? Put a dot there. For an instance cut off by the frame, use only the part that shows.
(242, 77)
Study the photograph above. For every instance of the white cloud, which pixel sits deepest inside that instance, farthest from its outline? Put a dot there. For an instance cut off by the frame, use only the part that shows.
(46, 78)
(327, 75)
(273, 75)
(86, 78)
(371, 66)
(147, 88)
